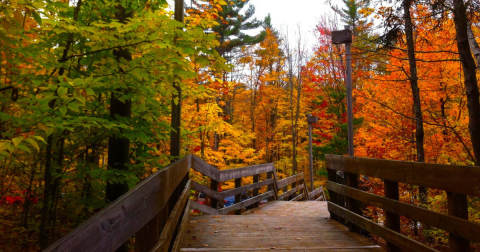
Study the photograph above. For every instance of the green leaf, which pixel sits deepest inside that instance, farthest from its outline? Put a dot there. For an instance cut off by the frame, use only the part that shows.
(17, 140)
(63, 110)
(62, 91)
(37, 17)
(40, 139)
(5, 145)
(24, 148)
(33, 143)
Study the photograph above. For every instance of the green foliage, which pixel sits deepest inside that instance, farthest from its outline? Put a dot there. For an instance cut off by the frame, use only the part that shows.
(60, 58)
(338, 144)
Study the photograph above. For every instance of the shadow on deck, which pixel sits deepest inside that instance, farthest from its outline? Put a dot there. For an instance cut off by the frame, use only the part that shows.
(278, 225)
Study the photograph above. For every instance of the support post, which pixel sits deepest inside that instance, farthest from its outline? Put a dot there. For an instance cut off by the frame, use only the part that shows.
(311, 119)
(458, 207)
(332, 176)
(392, 220)
(238, 197)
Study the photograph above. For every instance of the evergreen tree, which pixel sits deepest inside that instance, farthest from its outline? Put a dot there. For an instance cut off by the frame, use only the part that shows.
(233, 24)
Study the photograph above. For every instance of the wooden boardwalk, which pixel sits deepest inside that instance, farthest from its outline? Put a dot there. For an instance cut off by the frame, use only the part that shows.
(278, 225)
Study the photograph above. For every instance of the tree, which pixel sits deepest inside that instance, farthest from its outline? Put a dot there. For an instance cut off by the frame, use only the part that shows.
(233, 24)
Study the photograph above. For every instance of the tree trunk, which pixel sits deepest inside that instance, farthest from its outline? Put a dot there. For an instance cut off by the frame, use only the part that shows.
(417, 106)
(176, 117)
(473, 45)
(118, 147)
(468, 64)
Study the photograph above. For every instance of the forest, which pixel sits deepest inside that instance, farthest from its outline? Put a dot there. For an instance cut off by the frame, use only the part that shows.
(95, 96)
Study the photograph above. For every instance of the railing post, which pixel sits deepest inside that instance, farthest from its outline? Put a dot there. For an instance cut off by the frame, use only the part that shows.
(256, 179)
(392, 220)
(332, 176)
(340, 197)
(213, 186)
(352, 205)
(238, 197)
(270, 187)
(458, 207)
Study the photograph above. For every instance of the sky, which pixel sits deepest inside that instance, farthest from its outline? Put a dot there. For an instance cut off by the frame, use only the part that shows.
(292, 15)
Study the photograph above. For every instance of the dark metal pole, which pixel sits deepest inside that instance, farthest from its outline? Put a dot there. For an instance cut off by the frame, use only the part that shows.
(349, 100)
(311, 155)
(311, 119)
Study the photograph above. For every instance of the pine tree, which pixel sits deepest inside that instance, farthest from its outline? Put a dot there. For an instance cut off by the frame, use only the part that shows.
(233, 24)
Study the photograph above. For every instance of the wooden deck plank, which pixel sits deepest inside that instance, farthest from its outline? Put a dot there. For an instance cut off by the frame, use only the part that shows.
(278, 225)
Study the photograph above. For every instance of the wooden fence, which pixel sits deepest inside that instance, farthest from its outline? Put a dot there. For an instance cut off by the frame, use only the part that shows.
(457, 181)
(156, 210)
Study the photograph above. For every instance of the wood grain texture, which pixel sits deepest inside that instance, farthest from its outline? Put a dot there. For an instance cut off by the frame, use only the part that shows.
(293, 191)
(277, 225)
(111, 227)
(203, 208)
(290, 180)
(448, 223)
(398, 239)
(245, 171)
(247, 202)
(317, 192)
(182, 229)
(172, 222)
(452, 178)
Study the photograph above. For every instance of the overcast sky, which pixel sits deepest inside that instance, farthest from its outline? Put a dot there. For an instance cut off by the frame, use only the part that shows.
(287, 14)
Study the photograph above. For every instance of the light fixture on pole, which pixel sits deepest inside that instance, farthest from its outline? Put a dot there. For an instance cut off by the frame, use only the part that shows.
(311, 119)
(345, 37)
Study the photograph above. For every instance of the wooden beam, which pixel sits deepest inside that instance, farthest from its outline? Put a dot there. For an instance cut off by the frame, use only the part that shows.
(332, 177)
(299, 197)
(246, 203)
(291, 192)
(230, 174)
(110, 228)
(205, 168)
(312, 194)
(290, 180)
(222, 195)
(392, 219)
(181, 230)
(458, 207)
(451, 178)
(452, 224)
(172, 222)
(203, 208)
(396, 238)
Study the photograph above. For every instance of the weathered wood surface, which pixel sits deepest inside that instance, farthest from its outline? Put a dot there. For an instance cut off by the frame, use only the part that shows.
(312, 195)
(391, 236)
(451, 178)
(182, 229)
(222, 195)
(448, 223)
(245, 203)
(203, 208)
(293, 191)
(172, 222)
(111, 227)
(278, 225)
(226, 175)
(290, 180)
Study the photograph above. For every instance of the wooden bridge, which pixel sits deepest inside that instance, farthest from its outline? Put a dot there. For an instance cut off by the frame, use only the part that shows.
(157, 211)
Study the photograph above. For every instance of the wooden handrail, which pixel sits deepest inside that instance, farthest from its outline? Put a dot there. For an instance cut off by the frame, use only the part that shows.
(114, 225)
(458, 181)
(156, 210)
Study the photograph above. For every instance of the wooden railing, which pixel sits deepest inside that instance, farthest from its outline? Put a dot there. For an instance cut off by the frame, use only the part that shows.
(156, 211)
(457, 181)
